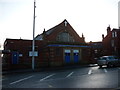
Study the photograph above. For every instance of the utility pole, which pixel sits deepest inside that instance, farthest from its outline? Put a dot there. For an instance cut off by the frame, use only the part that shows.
(33, 43)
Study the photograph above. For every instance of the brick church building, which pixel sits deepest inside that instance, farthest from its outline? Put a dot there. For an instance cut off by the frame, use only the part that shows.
(58, 46)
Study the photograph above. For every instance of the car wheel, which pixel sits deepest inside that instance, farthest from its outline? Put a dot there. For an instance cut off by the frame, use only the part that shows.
(100, 66)
(109, 65)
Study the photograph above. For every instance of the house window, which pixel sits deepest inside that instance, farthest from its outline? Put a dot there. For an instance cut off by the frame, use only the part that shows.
(115, 34)
(96, 51)
(20, 55)
(5, 43)
(112, 43)
(115, 49)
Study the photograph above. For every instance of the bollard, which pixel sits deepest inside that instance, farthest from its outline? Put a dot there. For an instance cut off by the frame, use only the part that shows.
(0, 52)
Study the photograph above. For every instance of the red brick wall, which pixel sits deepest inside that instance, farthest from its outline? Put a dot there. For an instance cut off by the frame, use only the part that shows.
(23, 47)
(108, 49)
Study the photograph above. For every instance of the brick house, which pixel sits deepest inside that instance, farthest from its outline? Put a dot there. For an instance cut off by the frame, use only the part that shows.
(111, 42)
(58, 46)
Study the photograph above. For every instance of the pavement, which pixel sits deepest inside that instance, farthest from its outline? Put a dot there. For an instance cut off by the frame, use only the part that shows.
(47, 69)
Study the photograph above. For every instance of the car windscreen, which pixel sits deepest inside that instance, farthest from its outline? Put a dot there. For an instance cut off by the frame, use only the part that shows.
(110, 58)
(103, 58)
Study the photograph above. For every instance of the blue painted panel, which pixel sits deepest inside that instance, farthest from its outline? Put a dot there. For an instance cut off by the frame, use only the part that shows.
(67, 57)
(58, 45)
(15, 57)
(76, 57)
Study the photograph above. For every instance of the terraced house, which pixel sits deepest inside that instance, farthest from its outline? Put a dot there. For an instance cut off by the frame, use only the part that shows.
(111, 42)
(58, 46)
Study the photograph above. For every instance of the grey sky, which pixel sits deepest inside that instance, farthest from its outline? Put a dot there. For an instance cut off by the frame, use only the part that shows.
(90, 17)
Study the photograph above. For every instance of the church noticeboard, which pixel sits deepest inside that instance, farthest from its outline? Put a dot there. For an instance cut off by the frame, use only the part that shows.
(35, 53)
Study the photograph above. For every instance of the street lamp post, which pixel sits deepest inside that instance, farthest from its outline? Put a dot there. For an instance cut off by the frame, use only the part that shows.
(33, 43)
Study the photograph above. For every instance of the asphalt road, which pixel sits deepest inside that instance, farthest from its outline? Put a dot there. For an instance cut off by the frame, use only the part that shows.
(85, 77)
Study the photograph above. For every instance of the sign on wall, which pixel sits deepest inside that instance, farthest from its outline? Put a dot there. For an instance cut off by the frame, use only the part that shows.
(35, 53)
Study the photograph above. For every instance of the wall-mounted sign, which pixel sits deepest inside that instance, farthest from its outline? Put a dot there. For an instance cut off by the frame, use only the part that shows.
(35, 53)
(20, 55)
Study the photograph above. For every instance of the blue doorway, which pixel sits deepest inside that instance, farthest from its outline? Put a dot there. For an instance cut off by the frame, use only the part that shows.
(15, 57)
(76, 55)
(67, 56)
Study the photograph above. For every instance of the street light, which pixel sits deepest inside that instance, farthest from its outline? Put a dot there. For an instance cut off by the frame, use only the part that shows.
(33, 43)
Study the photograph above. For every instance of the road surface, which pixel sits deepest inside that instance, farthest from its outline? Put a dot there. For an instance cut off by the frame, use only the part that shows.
(81, 77)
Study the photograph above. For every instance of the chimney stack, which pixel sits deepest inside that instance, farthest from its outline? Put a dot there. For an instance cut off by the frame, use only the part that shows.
(108, 29)
(102, 36)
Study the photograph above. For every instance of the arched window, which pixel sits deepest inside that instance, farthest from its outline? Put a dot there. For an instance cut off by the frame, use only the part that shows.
(65, 37)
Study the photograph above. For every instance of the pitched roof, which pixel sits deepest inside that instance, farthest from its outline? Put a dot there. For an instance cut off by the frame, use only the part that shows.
(64, 26)
(54, 28)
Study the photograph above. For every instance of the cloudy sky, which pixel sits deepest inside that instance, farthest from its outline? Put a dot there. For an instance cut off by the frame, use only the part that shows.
(90, 17)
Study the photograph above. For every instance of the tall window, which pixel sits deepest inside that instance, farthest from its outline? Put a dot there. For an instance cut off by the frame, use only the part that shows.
(115, 34)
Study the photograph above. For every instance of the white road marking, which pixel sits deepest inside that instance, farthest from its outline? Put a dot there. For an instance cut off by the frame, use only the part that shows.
(47, 77)
(69, 74)
(50, 86)
(21, 80)
(105, 70)
(90, 72)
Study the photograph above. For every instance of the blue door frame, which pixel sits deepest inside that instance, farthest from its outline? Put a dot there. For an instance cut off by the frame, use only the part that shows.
(15, 57)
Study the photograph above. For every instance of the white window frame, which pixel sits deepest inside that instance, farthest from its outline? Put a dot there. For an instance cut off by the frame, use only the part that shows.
(115, 34)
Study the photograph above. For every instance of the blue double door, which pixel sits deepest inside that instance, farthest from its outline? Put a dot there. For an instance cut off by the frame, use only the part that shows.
(69, 55)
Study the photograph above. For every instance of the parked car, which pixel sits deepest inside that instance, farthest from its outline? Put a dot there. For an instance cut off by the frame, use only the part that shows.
(108, 60)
